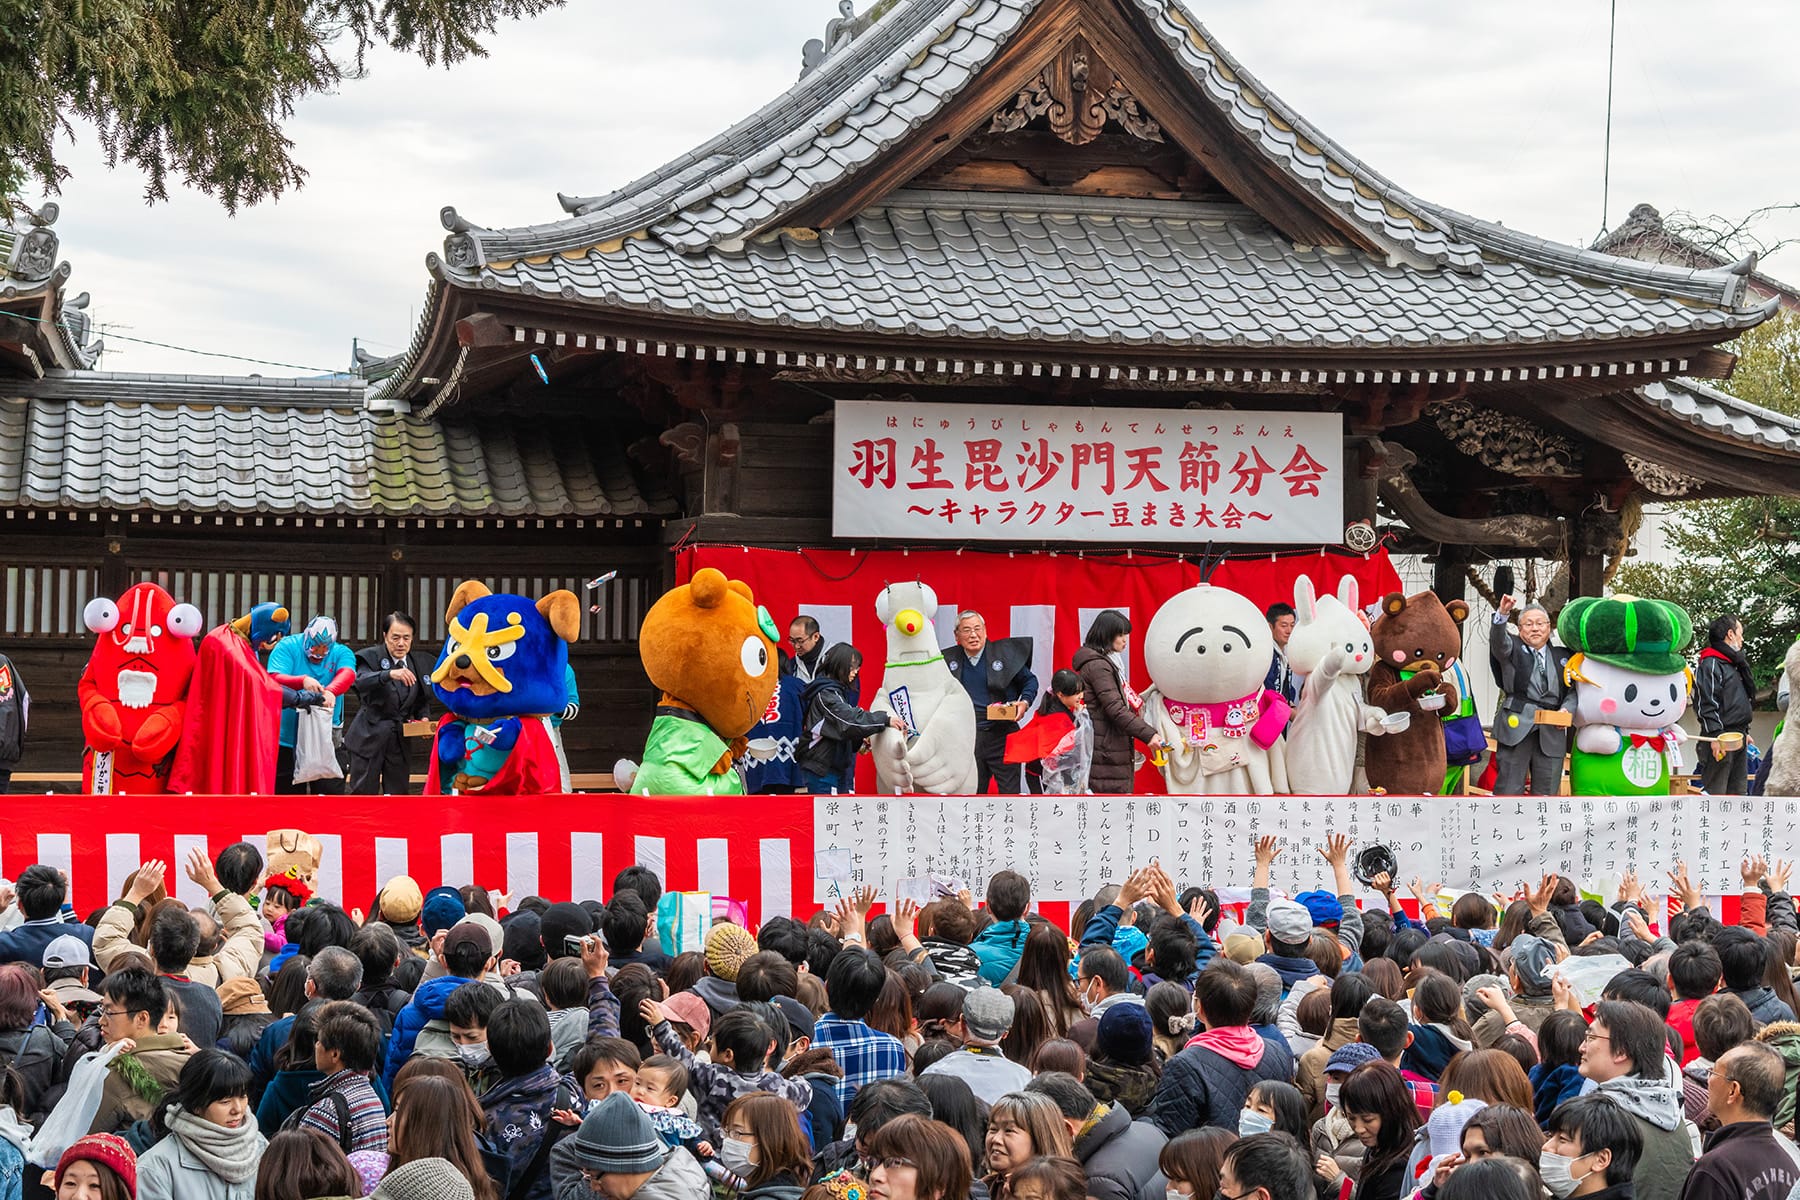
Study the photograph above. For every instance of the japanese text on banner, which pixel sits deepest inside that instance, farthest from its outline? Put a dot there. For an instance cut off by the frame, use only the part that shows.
(1010, 473)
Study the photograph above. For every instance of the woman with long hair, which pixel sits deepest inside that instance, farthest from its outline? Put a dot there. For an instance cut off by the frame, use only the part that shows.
(1490, 1076)
(100, 1166)
(1192, 1161)
(1114, 708)
(834, 726)
(435, 1115)
(1513, 922)
(1021, 1127)
(210, 1144)
(1274, 1106)
(1030, 1027)
(939, 1012)
(1385, 974)
(1044, 968)
(1384, 1118)
(1780, 975)
(893, 1011)
(295, 1073)
(302, 1165)
(1502, 1129)
(1171, 1009)
(764, 1147)
(32, 1050)
(1059, 1054)
(953, 1104)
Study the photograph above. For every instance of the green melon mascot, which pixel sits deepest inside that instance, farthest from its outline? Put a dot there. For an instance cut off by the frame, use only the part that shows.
(1631, 687)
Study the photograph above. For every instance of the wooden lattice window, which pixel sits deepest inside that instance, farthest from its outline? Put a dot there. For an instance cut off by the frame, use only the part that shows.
(46, 601)
(622, 600)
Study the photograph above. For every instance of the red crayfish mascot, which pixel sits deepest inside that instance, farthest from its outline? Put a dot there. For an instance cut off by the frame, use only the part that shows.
(134, 690)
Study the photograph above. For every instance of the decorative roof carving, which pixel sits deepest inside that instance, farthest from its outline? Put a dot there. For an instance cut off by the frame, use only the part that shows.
(1508, 444)
(1659, 480)
(1077, 93)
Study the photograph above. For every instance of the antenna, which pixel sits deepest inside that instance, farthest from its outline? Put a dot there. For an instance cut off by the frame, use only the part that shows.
(1612, 41)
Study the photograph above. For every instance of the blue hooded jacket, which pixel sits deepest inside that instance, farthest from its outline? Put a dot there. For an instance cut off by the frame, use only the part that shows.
(427, 1006)
(999, 947)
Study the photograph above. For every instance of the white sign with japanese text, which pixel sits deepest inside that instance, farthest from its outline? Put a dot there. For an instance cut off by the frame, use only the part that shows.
(959, 472)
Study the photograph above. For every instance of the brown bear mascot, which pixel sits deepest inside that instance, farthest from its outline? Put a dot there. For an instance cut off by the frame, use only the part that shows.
(1417, 640)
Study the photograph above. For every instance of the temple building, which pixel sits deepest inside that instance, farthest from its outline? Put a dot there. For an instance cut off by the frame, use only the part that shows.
(968, 202)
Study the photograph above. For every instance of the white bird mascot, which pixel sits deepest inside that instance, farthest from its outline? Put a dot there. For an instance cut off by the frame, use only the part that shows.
(1208, 650)
(1331, 646)
(937, 753)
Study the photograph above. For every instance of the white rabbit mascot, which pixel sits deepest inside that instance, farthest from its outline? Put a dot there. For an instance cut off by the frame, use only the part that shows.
(1208, 650)
(937, 753)
(1331, 646)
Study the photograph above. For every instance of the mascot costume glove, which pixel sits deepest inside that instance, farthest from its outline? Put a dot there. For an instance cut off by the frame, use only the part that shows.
(711, 650)
(1631, 687)
(133, 692)
(502, 673)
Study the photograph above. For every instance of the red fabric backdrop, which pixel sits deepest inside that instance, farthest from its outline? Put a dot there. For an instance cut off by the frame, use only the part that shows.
(1043, 595)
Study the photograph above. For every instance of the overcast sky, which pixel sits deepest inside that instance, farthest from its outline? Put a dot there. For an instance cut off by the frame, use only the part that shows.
(1494, 109)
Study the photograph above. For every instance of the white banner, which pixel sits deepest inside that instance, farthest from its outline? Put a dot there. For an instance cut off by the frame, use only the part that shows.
(1070, 846)
(958, 472)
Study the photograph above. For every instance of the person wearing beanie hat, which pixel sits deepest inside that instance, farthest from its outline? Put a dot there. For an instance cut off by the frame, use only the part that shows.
(321, 664)
(425, 1179)
(987, 1017)
(726, 948)
(1123, 1069)
(1443, 1134)
(95, 1158)
(246, 1016)
(1332, 1134)
(441, 910)
(617, 1154)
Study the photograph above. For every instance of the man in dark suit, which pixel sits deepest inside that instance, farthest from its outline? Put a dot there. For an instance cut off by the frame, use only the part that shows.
(1529, 671)
(393, 685)
(993, 673)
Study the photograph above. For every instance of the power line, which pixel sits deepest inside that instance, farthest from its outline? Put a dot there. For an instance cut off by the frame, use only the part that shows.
(263, 362)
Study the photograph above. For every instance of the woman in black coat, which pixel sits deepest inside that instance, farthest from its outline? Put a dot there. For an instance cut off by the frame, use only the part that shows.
(834, 726)
(1116, 721)
(1724, 693)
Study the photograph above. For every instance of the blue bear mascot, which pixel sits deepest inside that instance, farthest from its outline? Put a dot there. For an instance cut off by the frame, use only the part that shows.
(501, 675)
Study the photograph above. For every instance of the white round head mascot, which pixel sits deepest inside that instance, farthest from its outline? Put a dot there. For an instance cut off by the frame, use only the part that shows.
(1208, 651)
(936, 752)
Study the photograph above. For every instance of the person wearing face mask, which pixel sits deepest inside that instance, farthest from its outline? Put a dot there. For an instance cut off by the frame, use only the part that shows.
(1724, 693)
(467, 1012)
(1333, 1137)
(1192, 1161)
(466, 953)
(210, 1144)
(1591, 1149)
(764, 1149)
(1102, 983)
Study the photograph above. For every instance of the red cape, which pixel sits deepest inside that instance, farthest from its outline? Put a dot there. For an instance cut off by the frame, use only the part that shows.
(530, 770)
(233, 723)
(1039, 737)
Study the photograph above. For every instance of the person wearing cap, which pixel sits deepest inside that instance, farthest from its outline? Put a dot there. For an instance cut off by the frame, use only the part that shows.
(1528, 961)
(67, 963)
(100, 1164)
(247, 1015)
(616, 1154)
(323, 665)
(1333, 1136)
(393, 686)
(1531, 675)
(987, 1018)
(467, 954)
(1287, 925)
(1123, 1069)
(399, 905)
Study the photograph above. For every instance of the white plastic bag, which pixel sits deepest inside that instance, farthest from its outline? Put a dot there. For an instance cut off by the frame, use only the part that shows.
(68, 1122)
(315, 757)
(1588, 976)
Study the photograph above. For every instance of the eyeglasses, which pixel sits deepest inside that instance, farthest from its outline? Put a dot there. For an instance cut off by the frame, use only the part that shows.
(1591, 1036)
(894, 1162)
(108, 1013)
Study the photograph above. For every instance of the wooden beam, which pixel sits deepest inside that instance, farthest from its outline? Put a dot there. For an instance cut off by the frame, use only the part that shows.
(1539, 535)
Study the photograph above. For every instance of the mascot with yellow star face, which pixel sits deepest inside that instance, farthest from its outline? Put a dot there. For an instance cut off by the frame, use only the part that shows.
(501, 675)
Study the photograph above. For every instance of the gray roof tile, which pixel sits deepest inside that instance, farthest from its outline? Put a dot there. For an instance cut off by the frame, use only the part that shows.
(1718, 412)
(94, 439)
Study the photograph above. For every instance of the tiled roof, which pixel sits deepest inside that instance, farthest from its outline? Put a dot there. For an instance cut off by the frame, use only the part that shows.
(871, 92)
(1719, 413)
(1094, 270)
(92, 439)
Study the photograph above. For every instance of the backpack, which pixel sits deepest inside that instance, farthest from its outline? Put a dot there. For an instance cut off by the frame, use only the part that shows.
(340, 1107)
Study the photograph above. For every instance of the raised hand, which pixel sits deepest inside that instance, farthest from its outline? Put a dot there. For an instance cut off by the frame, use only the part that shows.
(200, 870)
(651, 1012)
(1200, 910)
(1383, 883)
(1630, 890)
(1539, 897)
(1135, 888)
(1684, 886)
(1163, 893)
(1336, 850)
(906, 919)
(1268, 849)
(1752, 871)
(1778, 875)
(149, 878)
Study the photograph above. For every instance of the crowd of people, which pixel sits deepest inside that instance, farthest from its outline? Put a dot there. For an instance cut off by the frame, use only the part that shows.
(452, 1045)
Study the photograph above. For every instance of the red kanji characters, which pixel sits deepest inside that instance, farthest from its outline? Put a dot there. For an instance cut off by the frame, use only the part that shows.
(1149, 517)
(1144, 462)
(1121, 516)
(928, 461)
(1199, 469)
(1249, 469)
(1303, 473)
(1204, 516)
(984, 470)
(1043, 462)
(872, 461)
(1091, 454)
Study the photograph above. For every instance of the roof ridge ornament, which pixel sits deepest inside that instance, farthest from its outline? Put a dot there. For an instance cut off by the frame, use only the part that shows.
(462, 249)
(840, 31)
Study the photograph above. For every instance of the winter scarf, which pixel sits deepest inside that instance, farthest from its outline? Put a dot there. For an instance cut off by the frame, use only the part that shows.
(14, 1130)
(1655, 1100)
(1718, 649)
(231, 1154)
(1239, 1045)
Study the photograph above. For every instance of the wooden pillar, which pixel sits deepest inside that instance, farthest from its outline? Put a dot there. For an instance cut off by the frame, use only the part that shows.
(1449, 575)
